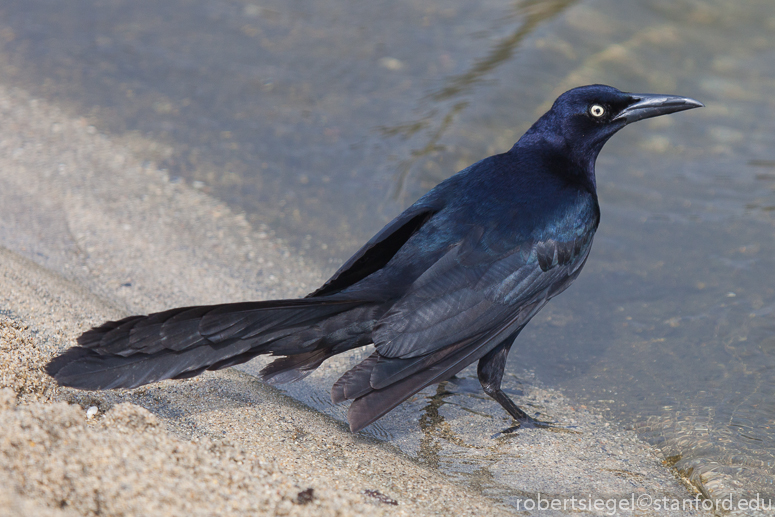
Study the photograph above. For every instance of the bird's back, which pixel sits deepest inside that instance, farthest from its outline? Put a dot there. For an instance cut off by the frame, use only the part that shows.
(497, 206)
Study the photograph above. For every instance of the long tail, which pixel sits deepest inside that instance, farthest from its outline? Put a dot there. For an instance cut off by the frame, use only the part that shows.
(186, 341)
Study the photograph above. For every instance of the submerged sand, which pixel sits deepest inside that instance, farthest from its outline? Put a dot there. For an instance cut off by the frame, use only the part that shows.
(91, 230)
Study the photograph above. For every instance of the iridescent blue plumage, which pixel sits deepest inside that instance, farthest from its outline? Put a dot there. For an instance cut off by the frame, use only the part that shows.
(452, 280)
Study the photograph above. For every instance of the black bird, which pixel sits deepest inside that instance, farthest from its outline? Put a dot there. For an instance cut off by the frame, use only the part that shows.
(450, 281)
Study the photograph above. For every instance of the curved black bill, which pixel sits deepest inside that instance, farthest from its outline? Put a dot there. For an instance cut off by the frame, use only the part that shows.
(647, 105)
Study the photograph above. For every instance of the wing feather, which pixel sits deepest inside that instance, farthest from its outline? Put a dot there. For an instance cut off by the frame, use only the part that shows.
(376, 253)
(452, 301)
(440, 327)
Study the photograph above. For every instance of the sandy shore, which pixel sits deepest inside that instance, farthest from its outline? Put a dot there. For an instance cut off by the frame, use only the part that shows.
(91, 231)
(220, 444)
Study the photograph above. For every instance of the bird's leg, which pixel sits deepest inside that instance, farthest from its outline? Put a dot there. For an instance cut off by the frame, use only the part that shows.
(490, 372)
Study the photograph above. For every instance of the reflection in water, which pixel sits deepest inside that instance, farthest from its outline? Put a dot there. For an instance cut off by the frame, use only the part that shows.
(429, 422)
(442, 448)
(530, 15)
(436, 431)
(432, 146)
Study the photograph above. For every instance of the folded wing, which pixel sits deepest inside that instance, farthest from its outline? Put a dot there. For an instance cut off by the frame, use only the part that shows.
(456, 312)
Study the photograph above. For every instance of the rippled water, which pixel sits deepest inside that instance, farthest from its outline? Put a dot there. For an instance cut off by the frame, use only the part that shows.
(324, 118)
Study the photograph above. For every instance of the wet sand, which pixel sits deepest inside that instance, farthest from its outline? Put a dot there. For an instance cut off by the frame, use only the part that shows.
(91, 231)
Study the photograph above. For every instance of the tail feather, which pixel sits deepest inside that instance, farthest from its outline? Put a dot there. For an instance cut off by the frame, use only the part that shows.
(355, 382)
(184, 342)
(85, 368)
(114, 341)
(253, 318)
(93, 337)
(327, 344)
(294, 367)
(179, 332)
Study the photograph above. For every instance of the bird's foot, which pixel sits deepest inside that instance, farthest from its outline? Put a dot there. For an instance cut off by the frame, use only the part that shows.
(532, 423)
(528, 422)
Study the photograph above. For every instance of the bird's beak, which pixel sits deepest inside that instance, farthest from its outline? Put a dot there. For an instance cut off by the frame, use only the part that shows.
(647, 105)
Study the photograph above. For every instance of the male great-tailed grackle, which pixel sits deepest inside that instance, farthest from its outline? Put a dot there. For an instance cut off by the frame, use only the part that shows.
(450, 281)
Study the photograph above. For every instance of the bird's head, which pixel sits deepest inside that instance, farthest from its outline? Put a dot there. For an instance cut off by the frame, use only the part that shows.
(583, 119)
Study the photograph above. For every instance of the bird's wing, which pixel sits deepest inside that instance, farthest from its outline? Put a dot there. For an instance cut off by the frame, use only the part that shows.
(376, 253)
(468, 291)
(456, 312)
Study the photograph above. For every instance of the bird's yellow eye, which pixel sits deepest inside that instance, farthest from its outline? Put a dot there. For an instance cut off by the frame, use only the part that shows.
(596, 110)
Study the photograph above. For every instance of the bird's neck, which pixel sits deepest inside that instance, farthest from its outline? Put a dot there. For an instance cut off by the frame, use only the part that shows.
(559, 157)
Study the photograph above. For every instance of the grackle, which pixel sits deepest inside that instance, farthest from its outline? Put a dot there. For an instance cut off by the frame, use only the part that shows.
(450, 281)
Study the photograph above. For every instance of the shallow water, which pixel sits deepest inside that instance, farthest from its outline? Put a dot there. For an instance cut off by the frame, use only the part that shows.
(324, 119)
